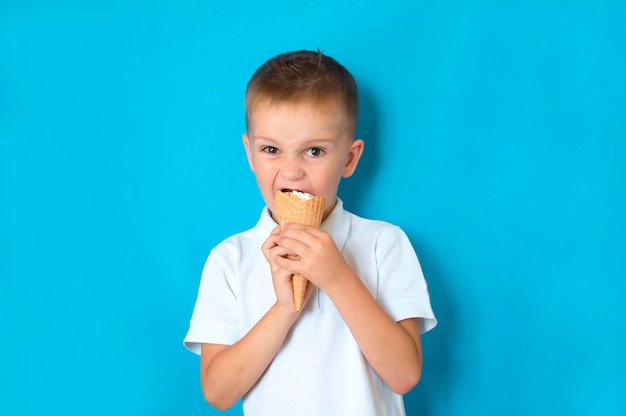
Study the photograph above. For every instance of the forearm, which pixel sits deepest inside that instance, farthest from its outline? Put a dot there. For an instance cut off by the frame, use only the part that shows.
(393, 351)
(228, 374)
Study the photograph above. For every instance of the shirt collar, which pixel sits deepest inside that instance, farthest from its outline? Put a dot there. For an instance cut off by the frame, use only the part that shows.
(337, 224)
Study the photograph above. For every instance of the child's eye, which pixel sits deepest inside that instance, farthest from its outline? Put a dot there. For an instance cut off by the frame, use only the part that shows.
(315, 152)
(269, 149)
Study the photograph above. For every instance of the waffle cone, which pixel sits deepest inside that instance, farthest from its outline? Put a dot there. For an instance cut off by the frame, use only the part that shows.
(291, 208)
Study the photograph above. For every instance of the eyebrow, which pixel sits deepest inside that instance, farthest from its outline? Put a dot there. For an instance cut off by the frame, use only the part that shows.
(312, 142)
(307, 143)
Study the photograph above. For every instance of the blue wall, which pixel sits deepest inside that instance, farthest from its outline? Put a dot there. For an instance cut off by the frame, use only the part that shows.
(501, 123)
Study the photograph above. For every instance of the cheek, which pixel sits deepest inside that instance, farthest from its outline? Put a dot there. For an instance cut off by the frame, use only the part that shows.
(328, 179)
(337, 170)
(264, 174)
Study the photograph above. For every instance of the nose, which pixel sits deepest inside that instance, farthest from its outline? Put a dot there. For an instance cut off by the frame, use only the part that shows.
(291, 169)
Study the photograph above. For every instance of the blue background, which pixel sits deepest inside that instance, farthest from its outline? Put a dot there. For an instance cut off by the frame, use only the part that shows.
(495, 136)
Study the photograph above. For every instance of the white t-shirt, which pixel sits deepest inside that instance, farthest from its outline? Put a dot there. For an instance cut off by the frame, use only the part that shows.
(319, 370)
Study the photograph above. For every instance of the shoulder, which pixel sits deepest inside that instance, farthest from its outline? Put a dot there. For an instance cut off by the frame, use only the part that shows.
(226, 260)
(238, 243)
(371, 228)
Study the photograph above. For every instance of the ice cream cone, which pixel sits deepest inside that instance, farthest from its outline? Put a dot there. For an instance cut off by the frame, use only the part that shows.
(304, 209)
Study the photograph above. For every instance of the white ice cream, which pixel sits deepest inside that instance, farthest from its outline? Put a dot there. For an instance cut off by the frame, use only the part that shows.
(302, 195)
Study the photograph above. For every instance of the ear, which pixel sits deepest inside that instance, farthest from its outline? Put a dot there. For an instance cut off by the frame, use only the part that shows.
(246, 144)
(352, 158)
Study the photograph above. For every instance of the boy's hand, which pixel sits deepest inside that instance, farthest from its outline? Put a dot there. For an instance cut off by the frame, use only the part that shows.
(281, 277)
(316, 256)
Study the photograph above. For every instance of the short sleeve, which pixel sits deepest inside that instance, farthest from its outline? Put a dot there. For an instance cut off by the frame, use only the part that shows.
(402, 290)
(214, 318)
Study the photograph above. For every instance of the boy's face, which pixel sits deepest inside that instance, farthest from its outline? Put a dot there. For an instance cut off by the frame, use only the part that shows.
(303, 147)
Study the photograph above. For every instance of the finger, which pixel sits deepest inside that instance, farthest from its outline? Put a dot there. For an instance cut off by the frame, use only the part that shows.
(290, 263)
(267, 247)
(272, 238)
(281, 251)
(281, 276)
(298, 226)
(304, 233)
(296, 246)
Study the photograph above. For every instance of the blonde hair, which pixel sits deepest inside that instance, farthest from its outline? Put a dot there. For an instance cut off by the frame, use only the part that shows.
(303, 76)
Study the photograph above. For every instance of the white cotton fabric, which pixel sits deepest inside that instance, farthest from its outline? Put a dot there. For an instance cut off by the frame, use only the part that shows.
(319, 370)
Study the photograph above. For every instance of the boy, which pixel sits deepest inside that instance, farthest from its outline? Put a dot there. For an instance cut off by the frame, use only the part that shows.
(354, 348)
